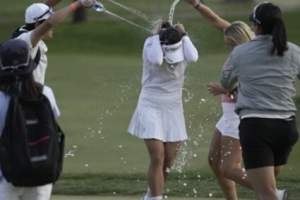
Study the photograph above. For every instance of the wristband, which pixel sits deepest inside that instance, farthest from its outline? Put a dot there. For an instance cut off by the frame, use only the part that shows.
(73, 6)
(198, 4)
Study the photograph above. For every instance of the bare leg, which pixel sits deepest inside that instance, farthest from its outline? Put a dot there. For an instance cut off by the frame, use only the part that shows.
(171, 150)
(264, 182)
(214, 160)
(277, 170)
(232, 159)
(155, 172)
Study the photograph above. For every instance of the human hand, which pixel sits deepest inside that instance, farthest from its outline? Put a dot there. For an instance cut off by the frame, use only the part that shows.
(161, 25)
(158, 27)
(215, 89)
(192, 2)
(234, 95)
(86, 3)
(180, 29)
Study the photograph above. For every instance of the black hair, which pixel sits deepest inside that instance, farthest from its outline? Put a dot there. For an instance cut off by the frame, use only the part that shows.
(29, 27)
(272, 24)
(32, 26)
(169, 36)
(25, 85)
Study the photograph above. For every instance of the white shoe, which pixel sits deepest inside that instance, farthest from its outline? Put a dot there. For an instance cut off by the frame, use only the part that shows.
(146, 197)
(282, 194)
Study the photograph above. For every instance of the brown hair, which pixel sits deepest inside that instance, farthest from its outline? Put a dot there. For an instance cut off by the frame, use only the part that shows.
(25, 85)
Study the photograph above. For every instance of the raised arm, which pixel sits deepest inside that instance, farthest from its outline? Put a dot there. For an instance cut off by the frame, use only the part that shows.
(215, 20)
(56, 18)
(52, 3)
(189, 50)
(153, 51)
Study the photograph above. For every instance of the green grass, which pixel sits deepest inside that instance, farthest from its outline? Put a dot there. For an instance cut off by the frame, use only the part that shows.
(95, 70)
(189, 184)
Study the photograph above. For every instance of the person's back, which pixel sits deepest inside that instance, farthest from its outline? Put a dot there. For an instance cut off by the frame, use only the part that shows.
(266, 69)
(16, 78)
(265, 80)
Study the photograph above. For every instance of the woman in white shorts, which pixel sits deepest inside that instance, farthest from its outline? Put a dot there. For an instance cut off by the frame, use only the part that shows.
(225, 153)
(158, 118)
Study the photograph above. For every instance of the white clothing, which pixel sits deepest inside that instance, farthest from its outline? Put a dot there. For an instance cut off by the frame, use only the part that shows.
(159, 116)
(157, 74)
(229, 122)
(40, 71)
(10, 192)
(159, 113)
(7, 190)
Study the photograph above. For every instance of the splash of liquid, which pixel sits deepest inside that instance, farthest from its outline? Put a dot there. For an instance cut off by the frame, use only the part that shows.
(172, 10)
(132, 10)
(117, 16)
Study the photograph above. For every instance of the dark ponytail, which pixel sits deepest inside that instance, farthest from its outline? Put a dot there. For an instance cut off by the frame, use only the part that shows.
(25, 85)
(268, 17)
(279, 38)
(29, 27)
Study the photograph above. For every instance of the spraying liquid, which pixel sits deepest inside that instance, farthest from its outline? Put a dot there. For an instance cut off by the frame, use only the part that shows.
(113, 14)
(137, 13)
(100, 8)
(172, 10)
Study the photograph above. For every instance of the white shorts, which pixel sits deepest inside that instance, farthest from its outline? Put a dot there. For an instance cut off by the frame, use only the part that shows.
(10, 192)
(159, 116)
(229, 122)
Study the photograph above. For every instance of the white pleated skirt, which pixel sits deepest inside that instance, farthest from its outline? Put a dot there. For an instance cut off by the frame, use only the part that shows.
(159, 116)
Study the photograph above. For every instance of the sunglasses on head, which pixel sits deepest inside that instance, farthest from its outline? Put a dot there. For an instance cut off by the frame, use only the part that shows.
(18, 67)
(49, 11)
(254, 13)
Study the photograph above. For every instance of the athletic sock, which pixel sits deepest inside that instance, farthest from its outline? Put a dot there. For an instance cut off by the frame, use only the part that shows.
(157, 198)
(147, 197)
(149, 192)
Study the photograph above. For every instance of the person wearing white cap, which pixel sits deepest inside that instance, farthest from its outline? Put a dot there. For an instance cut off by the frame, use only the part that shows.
(16, 67)
(158, 118)
(40, 20)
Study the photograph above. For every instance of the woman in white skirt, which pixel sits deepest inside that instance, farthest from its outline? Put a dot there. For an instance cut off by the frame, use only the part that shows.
(158, 118)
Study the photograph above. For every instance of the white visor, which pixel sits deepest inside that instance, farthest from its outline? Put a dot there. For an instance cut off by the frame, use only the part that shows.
(173, 53)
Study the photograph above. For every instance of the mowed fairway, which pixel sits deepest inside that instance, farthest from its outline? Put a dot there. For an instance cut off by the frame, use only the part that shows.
(97, 101)
(97, 96)
(95, 72)
(122, 198)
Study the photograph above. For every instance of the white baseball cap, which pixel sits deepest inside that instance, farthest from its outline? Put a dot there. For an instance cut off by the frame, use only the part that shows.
(37, 12)
(173, 53)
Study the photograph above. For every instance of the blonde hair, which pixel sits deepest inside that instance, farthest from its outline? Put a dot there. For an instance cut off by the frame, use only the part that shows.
(239, 32)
